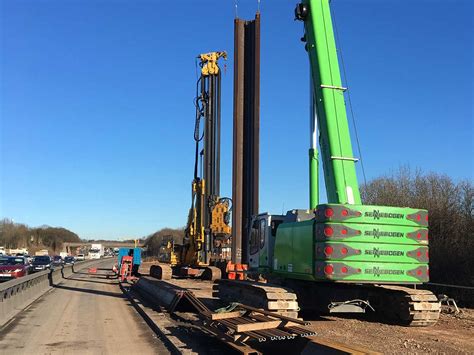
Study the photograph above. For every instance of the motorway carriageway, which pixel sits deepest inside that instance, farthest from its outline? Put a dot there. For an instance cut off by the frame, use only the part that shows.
(86, 314)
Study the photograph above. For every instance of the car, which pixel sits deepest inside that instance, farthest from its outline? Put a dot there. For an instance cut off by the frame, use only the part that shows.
(12, 267)
(40, 263)
(57, 260)
(80, 257)
(69, 260)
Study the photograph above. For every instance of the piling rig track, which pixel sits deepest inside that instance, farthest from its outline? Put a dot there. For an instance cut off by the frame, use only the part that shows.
(161, 271)
(165, 272)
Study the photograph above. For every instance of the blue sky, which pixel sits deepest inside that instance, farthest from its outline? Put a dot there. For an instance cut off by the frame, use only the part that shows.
(97, 108)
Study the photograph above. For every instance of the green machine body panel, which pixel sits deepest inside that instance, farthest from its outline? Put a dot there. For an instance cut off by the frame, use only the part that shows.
(294, 250)
(372, 252)
(402, 216)
(370, 233)
(371, 272)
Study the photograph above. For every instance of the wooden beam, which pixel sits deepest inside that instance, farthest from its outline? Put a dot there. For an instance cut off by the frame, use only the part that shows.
(226, 315)
(257, 326)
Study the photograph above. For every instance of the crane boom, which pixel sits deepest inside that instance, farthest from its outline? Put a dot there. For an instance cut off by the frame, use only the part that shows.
(334, 139)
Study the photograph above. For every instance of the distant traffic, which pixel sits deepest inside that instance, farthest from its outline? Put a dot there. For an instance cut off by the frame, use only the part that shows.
(16, 263)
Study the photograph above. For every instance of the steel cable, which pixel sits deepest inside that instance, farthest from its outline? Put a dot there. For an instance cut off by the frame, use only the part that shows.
(349, 98)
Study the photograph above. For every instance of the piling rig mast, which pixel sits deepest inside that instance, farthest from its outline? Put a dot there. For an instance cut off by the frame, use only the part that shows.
(207, 232)
(206, 244)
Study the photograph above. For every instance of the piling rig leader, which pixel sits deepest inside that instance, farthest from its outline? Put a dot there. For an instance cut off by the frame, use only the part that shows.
(206, 244)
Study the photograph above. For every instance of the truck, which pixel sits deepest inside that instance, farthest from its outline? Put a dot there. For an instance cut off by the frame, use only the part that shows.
(96, 251)
(42, 252)
(340, 256)
(18, 252)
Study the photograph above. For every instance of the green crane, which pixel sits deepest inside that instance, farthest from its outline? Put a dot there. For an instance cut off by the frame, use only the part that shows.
(341, 256)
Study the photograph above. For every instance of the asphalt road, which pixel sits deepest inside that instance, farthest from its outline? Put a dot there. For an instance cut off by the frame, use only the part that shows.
(85, 314)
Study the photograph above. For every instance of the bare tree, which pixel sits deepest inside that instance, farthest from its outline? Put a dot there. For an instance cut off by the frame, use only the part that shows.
(153, 242)
(16, 235)
(450, 205)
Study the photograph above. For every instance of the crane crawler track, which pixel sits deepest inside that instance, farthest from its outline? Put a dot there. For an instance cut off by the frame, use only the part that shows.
(409, 306)
(271, 297)
(395, 304)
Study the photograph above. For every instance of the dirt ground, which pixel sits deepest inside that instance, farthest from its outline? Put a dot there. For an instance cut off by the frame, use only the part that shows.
(452, 334)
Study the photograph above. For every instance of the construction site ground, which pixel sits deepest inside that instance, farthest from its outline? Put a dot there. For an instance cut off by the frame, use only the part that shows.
(454, 333)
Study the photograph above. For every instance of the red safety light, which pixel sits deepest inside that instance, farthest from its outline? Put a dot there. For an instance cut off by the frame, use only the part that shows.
(426, 235)
(345, 212)
(427, 254)
(328, 269)
(426, 218)
(344, 231)
(344, 270)
(328, 250)
(418, 217)
(329, 212)
(419, 272)
(328, 231)
(418, 254)
(344, 251)
(418, 235)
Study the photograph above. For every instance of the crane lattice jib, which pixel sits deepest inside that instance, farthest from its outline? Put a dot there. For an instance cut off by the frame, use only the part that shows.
(334, 139)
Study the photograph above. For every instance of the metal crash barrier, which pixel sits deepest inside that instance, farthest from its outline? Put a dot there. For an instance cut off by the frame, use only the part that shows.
(17, 294)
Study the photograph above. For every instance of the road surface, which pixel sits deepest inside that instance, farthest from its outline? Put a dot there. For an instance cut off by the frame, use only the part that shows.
(85, 314)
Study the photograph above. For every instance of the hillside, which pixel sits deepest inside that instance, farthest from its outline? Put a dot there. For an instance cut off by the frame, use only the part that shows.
(16, 235)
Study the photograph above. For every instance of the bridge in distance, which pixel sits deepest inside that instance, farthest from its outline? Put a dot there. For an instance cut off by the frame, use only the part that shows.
(70, 246)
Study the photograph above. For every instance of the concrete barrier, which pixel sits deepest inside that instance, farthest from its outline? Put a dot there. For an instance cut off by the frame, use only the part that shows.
(19, 293)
